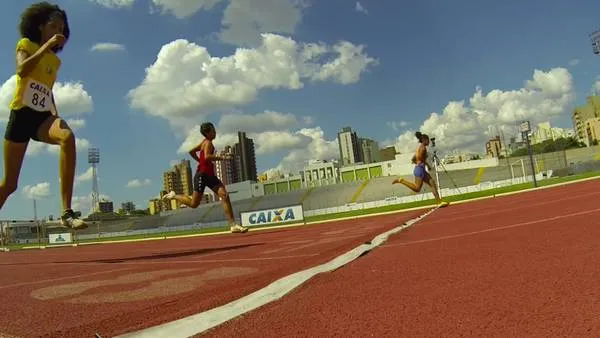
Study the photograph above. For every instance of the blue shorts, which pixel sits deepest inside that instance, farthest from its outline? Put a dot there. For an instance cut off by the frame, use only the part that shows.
(421, 172)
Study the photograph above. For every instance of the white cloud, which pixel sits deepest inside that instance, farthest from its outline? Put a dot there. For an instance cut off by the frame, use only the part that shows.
(84, 203)
(359, 8)
(463, 126)
(136, 183)
(107, 47)
(85, 176)
(318, 148)
(114, 3)
(269, 130)
(182, 9)
(574, 62)
(596, 88)
(186, 82)
(76, 123)
(397, 125)
(268, 120)
(244, 20)
(38, 191)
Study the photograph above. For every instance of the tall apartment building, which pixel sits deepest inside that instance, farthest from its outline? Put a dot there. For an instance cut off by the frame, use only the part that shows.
(592, 128)
(179, 178)
(493, 147)
(244, 159)
(369, 149)
(348, 143)
(225, 170)
(581, 114)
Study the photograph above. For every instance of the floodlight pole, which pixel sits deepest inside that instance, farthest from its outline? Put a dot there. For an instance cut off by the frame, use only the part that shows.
(525, 129)
(94, 160)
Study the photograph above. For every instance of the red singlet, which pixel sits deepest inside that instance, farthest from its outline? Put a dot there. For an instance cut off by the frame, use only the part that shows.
(204, 166)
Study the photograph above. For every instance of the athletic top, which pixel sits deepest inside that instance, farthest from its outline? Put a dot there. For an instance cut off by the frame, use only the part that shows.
(35, 90)
(204, 166)
(423, 161)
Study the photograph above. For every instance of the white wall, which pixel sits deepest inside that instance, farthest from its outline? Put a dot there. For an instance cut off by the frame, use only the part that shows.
(243, 190)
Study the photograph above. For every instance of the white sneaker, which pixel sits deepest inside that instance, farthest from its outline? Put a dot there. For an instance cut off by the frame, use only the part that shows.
(236, 228)
(169, 196)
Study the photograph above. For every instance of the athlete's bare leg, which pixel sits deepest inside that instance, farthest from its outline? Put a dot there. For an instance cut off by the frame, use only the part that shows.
(56, 131)
(13, 160)
(191, 201)
(222, 193)
(416, 187)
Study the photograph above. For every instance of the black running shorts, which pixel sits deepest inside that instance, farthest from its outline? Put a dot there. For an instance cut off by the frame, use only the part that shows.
(24, 123)
(202, 180)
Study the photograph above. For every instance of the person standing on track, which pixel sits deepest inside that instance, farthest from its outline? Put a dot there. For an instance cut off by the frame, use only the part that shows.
(44, 31)
(204, 154)
(421, 175)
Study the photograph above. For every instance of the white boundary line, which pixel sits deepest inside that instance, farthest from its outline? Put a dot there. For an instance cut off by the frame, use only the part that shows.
(198, 323)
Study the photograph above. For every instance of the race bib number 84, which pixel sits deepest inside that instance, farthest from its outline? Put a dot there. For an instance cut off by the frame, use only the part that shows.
(37, 96)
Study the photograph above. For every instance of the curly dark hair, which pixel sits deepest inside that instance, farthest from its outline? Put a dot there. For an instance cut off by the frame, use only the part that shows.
(206, 128)
(421, 137)
(38, 14)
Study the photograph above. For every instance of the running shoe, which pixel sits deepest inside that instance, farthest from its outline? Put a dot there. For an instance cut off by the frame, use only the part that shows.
(236, 228)
(70, 219)
(169, 196)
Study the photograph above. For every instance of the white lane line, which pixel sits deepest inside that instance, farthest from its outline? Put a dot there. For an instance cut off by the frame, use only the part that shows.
(198, 323)
(61, 278)
(472, 233)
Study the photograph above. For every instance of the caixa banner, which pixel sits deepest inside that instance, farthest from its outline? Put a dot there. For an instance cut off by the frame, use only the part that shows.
(272, 216)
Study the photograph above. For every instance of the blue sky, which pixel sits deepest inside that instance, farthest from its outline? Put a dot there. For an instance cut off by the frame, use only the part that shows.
(416, 57)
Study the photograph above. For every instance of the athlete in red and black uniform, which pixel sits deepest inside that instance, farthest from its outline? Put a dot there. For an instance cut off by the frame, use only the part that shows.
(205, 176)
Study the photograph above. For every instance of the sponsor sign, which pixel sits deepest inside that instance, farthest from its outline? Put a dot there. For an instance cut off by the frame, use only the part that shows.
(272, 216)
(525, 127)
(63, 238)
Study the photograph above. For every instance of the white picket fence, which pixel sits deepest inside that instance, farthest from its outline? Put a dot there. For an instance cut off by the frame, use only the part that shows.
(393, 200)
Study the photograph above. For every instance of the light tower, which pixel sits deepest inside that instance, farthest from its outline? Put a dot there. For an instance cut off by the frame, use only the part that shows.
(595, 39)
(94, 160)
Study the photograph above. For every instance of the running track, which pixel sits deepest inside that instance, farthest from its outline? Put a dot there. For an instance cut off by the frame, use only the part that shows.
(113, 289)
(517, 265)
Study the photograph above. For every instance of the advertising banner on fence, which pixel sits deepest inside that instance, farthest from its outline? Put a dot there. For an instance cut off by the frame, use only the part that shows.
(272, 216)
(63, 238)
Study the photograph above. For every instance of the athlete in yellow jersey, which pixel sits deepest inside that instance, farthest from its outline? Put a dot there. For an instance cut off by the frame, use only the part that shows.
(44, 31)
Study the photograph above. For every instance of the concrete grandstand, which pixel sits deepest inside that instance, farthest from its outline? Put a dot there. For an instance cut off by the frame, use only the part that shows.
(347, 193)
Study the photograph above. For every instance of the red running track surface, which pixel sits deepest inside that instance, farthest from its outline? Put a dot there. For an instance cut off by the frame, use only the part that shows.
(113, 289)
(520, 265)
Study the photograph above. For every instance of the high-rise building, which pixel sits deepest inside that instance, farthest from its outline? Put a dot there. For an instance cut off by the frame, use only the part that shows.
(592, 127)
(172, 182)
(244, 159)
(583, 113)
(179, 178)
(493, 147)
(349, 147)
(225, 169)
(105, 206)
(369, 149)
(127, 207)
